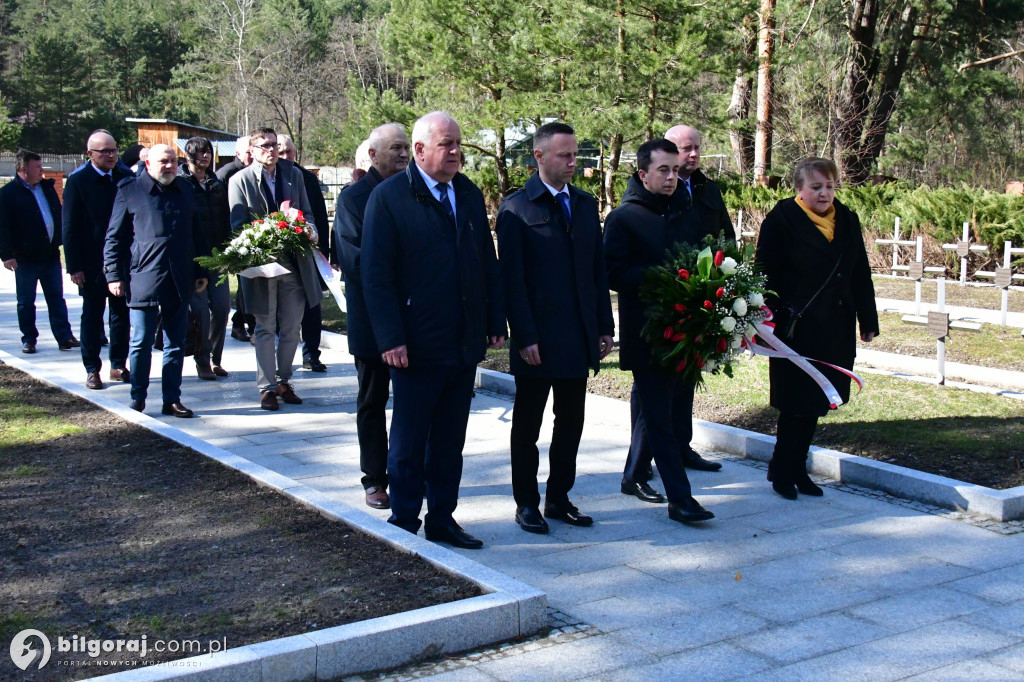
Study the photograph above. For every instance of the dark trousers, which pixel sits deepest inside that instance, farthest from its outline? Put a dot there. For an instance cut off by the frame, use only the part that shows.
(527, 414)
(50, 276)
(655, 433)
(91, 335)
(371, 420)
(174, 319)
(793, 436)
(212, 306)
(241, 318)
(428, 431)
(639, 458)
(312, 327)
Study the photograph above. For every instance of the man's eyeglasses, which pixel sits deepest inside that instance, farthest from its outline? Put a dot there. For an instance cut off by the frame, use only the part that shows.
(108, 152)
(266, 146)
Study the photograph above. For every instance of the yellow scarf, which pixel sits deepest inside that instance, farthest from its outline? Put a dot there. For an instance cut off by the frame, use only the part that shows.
(826, 224)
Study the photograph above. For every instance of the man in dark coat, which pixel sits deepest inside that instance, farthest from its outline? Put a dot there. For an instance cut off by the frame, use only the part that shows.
(433, 289)
(156, 223)
(243, 157)
(312, 317)
(389, 155)
(649, 222)
(560, 316)
(30, 235)
(88, 201)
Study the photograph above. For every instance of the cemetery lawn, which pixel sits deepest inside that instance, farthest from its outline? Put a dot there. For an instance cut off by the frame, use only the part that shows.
(993, 346)
(972, 296)
(110, 531)
(973, 437)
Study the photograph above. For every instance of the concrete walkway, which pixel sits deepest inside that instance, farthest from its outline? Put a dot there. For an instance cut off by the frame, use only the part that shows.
(850, 586)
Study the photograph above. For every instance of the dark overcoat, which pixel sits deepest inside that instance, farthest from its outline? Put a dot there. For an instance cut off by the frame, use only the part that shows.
(22, 230)
(431, 284)
(162, 229)
(555, 280)
(212, 199)
(348, 240)
(88, 201)
(639, 235)
(797, 259)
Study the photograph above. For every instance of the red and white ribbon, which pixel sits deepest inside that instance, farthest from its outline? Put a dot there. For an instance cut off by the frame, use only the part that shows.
(778, 349)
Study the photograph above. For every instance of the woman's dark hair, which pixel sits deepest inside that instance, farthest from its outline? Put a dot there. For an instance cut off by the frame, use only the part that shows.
(194, 146)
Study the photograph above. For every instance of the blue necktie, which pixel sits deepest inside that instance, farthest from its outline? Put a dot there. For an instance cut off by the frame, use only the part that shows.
(563, 198)
(442, 187)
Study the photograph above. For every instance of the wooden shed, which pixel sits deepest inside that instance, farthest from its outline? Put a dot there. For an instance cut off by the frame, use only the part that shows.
(153, 131)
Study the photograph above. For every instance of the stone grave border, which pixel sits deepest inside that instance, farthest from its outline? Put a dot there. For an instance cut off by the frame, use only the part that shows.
(948, 493)
(508, 610)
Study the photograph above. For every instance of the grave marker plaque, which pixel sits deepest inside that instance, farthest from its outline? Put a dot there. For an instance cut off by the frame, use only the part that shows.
(938, 324)
(916, 271)
(1003, 277)
(963, 249)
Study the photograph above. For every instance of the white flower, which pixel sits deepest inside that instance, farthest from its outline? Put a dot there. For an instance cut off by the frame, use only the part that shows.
(728, 266)
(243, 251)
(709, 365)
(739, 306)
(737, 340)
(728, 323)
(755, 299)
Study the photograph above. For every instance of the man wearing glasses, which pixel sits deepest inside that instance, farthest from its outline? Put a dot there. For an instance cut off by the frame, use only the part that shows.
(88, 201)
(277, 302)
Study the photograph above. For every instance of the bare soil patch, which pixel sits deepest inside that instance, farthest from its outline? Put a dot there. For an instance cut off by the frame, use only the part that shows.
(115, 532)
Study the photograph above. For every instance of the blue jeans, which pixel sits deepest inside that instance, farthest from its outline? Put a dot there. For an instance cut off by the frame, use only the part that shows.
(144, 322)
(50, 277)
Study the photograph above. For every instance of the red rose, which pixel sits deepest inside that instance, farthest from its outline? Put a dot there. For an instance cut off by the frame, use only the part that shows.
(684, 274)
(721, 345)
(679, 307)
(709, 305)
(681, 366)
(298, 230)
(719, 258)
(721, 291)
(668, 332)
(298, 215)
(699, 360)
(676, 338)
(282, 225)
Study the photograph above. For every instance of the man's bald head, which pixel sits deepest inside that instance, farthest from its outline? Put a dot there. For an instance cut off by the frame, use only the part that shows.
(162, 164)
(102, 150)
(688, 140)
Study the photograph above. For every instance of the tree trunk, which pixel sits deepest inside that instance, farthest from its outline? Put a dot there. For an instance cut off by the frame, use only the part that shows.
(499, 162)
(853, 107)
(739, 107)
(614, 154)
(765, 92)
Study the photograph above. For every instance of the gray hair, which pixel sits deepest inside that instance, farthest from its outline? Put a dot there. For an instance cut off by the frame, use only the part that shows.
(380, 133)
(425, 125)
(813, 164)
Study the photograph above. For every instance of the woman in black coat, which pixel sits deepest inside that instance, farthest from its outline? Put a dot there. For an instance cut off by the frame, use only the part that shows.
(812, 251)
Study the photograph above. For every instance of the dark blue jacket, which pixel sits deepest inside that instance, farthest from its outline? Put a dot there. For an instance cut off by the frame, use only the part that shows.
(430, 284)
(348, 238)
(212, 198)
(22, 230)
(162, 228)
(88, 201)
(555, 282)
(638, 235)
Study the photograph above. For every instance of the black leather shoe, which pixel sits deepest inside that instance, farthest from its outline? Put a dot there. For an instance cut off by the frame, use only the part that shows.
(783, 485)
(177, 410)
(689, 512)
(693, 460)
(453, 535)
(239, 334)
(642, 491)
(137, 405)
(314, 365)
(29, 348)
(565, 511)
(530, 520)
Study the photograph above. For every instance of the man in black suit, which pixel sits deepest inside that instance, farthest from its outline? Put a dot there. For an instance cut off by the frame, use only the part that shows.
(243, 157)
(30, 236)
(560, 316)
(433, 289)
(88, 201)
(648, 223)
(389, 154)
(156, 225)
(312, 317)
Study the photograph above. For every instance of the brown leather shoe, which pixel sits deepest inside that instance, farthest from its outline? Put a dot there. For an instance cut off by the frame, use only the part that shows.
(377, 498)
(69, 343)
(176, 410)
(220, 371)
(268, 401)
(205, 372)
(285, 392)
(93, 381)
(121, 375)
